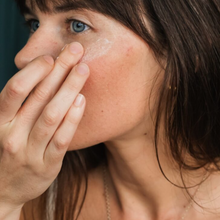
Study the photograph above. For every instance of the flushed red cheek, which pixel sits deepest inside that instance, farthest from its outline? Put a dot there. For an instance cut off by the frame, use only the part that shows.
(108, 94)
(113, 76)
(115, 96)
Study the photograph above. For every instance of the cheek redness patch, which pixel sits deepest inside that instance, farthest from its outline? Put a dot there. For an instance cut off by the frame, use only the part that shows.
(97, 49)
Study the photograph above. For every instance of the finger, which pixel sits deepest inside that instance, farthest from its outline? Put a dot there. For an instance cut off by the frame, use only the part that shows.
(56, 110)
(18, 87)
(61, 140)
(45, 91)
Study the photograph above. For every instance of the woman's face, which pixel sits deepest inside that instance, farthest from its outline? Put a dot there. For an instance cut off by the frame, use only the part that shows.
(122, 68)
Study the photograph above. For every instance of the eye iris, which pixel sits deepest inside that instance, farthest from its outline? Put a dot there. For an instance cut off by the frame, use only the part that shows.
(78, 26)
(35, 25)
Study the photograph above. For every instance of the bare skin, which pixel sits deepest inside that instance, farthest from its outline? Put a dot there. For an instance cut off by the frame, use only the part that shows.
(36, 141)
(118, 113)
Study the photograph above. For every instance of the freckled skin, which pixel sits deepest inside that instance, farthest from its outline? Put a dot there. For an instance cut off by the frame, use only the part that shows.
(117, 92)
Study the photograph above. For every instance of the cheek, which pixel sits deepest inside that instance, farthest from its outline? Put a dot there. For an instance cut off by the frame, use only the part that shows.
(97, 50)
(115, 77)
(116, 95)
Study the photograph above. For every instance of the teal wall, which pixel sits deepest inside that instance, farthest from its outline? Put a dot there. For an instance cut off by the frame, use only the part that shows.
(13, 36)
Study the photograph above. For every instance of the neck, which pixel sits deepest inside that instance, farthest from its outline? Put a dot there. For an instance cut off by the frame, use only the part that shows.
(137, 185)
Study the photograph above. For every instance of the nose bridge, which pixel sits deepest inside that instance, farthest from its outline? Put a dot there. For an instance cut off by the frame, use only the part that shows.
(39, 44)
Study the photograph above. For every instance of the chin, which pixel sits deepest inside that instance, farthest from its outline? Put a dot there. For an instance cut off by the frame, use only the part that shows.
(85, 140)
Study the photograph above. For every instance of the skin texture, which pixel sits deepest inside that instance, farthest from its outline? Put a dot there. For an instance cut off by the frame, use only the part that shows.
(124, 74)
(35, 134)
(120, 82)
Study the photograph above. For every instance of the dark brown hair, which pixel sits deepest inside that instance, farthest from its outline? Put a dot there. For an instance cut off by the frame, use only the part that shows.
(186, 34)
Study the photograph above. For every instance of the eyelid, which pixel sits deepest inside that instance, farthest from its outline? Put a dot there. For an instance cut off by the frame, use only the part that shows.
(30, 16)
(70, 20)
(28, 23)
(29, 20)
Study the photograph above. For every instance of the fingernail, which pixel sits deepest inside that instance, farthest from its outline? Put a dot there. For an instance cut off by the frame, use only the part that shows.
(82, 69)
(76, 48)
(79, 101)
(49, 59)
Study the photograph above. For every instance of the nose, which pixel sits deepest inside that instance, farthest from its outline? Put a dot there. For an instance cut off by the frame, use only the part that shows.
(40, 43)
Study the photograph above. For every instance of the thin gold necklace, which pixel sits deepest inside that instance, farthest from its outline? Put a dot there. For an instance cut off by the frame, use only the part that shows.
(107, 197)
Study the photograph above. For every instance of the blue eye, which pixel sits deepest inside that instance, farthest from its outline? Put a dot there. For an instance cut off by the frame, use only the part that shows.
(33, 25)
(78, 26)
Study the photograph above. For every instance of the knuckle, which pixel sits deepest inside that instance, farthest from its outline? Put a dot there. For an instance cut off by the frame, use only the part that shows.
(9, 145)
(15, 89)
(61, 142)
(33, 164)
(36, 168)
(63, 64)
(41, 94)
(51, 116)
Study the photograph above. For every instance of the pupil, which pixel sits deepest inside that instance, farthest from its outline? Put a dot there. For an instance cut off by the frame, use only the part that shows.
(35, 25)
(78, 26)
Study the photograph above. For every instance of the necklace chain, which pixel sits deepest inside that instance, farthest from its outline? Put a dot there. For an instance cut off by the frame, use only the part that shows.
(107, 197)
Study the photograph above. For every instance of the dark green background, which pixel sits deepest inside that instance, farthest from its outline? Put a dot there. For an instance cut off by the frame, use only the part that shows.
(13, 35)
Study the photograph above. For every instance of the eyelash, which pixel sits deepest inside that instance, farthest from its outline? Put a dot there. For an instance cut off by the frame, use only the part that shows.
(29, 23)
(70, 21)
